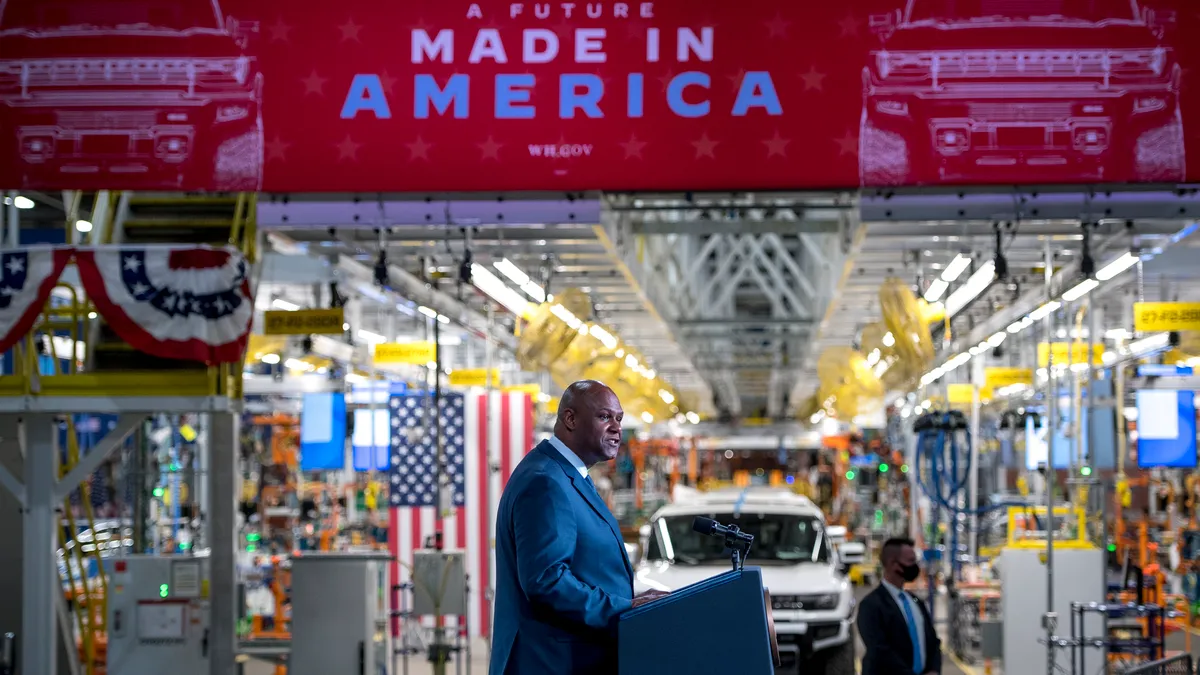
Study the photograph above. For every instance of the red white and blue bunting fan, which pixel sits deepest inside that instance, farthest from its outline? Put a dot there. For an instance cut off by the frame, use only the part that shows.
(27, 276)
(182, 303)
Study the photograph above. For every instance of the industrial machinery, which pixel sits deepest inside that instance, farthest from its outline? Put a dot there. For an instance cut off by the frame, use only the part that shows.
(158, 615)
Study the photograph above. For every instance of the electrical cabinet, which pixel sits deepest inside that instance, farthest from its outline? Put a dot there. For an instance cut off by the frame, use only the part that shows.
(1078, 577)
(340, 614)
(158, 611)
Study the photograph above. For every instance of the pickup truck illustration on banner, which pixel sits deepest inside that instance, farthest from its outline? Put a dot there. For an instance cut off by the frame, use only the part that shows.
(970, 91)
(148, 95)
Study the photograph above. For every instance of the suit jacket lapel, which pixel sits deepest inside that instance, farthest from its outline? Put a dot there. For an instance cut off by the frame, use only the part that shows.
(592, 497)
(897, 615)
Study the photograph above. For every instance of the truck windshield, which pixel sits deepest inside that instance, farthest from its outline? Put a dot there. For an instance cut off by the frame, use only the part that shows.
(999, 11)
(100, 15)
(777, 538)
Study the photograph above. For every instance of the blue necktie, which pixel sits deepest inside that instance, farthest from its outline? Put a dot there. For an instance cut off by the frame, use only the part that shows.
(918, 657)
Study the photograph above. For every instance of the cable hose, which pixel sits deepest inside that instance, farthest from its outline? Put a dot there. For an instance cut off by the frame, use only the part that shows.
(942, 497)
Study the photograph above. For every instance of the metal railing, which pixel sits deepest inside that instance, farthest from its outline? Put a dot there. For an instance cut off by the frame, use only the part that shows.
(1176, 665)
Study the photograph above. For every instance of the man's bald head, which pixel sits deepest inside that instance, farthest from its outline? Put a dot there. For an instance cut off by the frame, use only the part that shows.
(581, 393)
(589, 421)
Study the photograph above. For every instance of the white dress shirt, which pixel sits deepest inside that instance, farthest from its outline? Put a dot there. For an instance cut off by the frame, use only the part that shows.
(569, 455)
(917, 616)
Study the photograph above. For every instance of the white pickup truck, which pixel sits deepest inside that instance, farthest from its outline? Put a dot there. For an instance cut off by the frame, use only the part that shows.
(812, 599)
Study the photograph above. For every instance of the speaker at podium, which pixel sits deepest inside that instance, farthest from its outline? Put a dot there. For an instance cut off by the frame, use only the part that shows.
(720, 625)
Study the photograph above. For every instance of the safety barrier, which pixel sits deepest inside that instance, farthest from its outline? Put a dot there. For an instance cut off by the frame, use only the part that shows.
(1176, 665)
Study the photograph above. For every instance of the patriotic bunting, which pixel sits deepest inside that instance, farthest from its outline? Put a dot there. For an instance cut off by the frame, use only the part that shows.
(184, 303)
(192, 303)
(27, 276)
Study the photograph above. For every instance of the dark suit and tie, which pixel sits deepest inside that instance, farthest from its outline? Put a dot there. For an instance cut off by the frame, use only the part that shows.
(894, 625)
(563, 577)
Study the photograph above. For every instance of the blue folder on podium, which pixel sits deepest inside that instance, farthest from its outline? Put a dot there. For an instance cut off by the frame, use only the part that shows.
(720, 625)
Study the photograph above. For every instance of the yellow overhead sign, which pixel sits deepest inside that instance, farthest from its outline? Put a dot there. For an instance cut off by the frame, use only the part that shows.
(995, 378)
(304, 322)
(391, 353)
(960, 394)
(1069, 352)
(474, 377)
(532, 389)
(1158, 317)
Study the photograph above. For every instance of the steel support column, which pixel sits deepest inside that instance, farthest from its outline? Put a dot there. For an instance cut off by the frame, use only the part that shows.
(39, 625)
(224, 434)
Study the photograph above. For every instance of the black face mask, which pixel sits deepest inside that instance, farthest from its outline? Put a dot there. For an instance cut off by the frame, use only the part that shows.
(910, 572)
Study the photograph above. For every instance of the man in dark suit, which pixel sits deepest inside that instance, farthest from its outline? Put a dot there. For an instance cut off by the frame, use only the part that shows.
(562, 574)
(894, 625)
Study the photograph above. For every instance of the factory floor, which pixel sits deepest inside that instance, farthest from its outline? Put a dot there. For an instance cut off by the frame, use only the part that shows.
(1176, 642)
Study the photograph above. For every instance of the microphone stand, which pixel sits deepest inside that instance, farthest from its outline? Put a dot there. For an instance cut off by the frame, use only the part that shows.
(738, 545)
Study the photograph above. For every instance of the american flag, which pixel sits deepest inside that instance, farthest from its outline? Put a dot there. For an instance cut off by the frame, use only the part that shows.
(472, 426)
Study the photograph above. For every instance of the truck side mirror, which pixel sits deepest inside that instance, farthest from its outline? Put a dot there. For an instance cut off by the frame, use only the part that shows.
(241, 30)
(883, 25)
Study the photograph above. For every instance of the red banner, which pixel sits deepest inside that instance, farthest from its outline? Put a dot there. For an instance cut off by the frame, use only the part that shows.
(445, 95)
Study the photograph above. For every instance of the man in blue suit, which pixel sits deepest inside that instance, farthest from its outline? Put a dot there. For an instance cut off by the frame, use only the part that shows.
(562, 575)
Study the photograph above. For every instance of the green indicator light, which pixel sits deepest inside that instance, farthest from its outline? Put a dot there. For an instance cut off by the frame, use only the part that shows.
(849, 475)
(1112, 547)
(1086, 471)
(903, 468)
(251, 548)
(883, 468)
(253, 536)
(162, 590)
(158, 492)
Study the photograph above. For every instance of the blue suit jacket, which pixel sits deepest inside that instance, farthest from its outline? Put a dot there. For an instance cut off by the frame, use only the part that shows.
(562, 575)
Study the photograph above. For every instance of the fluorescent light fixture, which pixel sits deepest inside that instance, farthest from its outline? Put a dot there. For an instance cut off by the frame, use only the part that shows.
(1149, 344)
(22, 202)
(647, 418)
(432, 365)
(498, 290)
(1117, 266)
(297, 364)
(889, 340)
(270, 359)
(650, 374)
(427, 312)
(881, 368)
(83, 225)
(518, 277)
(666, 396)
(963, 295)
(566, 316)
(1045, 310)
(286, 306)
(935, 290)
(443, 319)
(603, 336)
(1118, 334)
(997, 339)
(345, 326)
(817, 417)
(514, 273)
(355, 378)
(873, 357)
(692, 417)
(631, 361)
(1083, 288)
(955, 268)
(370, 337)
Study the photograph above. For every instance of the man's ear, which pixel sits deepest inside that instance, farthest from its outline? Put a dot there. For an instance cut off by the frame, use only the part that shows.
(568, 418)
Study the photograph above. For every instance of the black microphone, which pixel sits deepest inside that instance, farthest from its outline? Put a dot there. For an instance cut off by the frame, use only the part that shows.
(714, 529)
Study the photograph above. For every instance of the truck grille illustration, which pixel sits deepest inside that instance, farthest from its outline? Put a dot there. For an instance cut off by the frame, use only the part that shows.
(1047, 91)
(135, 102)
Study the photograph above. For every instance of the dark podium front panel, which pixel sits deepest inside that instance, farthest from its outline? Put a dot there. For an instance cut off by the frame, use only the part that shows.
(721, 625)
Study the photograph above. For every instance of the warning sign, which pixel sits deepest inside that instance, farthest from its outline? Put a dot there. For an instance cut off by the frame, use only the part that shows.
(304, 322)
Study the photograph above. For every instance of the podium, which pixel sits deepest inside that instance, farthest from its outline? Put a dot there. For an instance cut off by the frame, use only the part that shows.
(720, 625)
